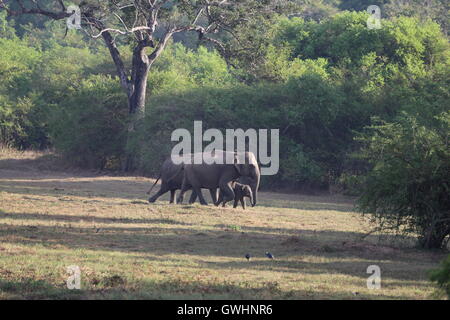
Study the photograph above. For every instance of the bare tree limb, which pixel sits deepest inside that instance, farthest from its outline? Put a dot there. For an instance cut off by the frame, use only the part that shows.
(38, 10)
(120, 31)
(160, 46)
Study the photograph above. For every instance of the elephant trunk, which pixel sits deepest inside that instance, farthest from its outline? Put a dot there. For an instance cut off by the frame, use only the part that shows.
(254, 186)
(251, 198)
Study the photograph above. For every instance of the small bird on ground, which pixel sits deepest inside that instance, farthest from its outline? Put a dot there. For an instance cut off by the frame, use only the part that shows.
(247, 256)
(269, 255)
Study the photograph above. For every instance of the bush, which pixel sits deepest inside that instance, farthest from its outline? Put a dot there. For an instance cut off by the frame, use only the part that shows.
(408, 189)
(18, 121)
(442, 278)
(299, 169)
(350, 184)
(90, 130)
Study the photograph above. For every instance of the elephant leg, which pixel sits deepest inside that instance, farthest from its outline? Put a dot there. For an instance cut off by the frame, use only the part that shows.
(198, 191)
(219, 200)
(164, 189)
(243, 203)
(235, 203)
(214, 196)
(184, 188)
(172, 196)
(193, 197)
(227, 192)
(191, 181)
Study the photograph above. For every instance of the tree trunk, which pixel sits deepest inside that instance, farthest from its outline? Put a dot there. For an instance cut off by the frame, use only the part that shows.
(435, 236)
(135, 86)
(136, 103)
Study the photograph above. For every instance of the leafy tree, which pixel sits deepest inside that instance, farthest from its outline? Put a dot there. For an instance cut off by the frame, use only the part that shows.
(347, 43)
(316, 10)
(408, 188)
(436, 10)
(359, 5)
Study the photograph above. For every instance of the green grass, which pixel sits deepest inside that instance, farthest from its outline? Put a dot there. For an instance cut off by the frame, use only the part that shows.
(127, 248)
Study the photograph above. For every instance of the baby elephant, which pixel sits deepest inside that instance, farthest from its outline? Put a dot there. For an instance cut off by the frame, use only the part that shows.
(240, 192)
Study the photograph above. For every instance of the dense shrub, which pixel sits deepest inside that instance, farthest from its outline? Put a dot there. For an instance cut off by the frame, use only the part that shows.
(90, 129)
(442, 278)
(408, 189)
(38, 74)
(301, 119)
(19, 124)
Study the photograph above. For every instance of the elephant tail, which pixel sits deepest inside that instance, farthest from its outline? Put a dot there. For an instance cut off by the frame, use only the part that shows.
(148, 192)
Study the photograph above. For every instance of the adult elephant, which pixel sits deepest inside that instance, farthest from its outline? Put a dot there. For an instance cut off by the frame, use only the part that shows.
(171, 176)
(212, 175)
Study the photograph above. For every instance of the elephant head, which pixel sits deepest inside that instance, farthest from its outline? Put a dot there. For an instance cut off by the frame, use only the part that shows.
(247, 192)
(247, 166)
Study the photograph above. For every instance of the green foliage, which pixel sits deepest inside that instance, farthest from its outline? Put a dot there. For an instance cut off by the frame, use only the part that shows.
(279, 66)
(442, 278)
(408, 189)
(350, 184)
(36, 82)
(436, 10)
(17, 116)
(179, 69)
(21, 22)
(298, 167)
(352, 74)
(346, 42)
(90, 130)
(6, 30)
(317, 10)
(16, 63)
(359, 5)
(306, 116)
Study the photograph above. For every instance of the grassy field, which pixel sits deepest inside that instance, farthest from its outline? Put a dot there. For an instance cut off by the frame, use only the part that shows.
(127, 248)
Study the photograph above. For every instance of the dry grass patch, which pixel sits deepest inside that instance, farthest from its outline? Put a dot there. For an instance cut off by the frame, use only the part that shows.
(127, 248)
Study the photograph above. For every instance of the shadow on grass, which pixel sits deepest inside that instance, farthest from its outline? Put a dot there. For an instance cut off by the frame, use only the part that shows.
(21, 177)
(130, 189)
(35, 289)
(31, 289)
(204, 246)
(46, 163)
(136, 189)
(89, 218)
(304, 202)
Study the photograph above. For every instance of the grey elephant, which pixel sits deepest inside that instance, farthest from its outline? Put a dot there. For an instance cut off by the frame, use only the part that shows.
(212, 175)
(171, 176)
(241, 191)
